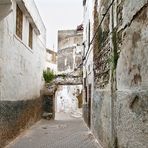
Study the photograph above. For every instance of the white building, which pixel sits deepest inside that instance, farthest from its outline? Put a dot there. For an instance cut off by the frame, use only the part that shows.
(69, 50)
(22, 60)
(69, 59)
(66, 98)
(88, 75)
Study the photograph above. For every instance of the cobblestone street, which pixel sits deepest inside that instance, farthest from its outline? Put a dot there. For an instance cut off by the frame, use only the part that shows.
(67, 133)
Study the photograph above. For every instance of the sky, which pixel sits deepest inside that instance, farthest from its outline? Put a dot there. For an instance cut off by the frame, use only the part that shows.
(59, 15)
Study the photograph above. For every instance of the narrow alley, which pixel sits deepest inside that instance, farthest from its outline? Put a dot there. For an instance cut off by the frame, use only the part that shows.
(73, 73)
(65, 132)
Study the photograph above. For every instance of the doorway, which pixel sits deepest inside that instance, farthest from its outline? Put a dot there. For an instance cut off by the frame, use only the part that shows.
(89, 106)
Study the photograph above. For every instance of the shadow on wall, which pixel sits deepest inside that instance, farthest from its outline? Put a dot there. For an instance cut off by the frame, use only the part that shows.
(15, 116)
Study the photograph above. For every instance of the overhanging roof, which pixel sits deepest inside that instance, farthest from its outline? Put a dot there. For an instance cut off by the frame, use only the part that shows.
(5, 2)
(26, 11)
(5, 8)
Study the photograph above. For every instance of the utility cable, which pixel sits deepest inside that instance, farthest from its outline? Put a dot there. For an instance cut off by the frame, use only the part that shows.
(95, 34)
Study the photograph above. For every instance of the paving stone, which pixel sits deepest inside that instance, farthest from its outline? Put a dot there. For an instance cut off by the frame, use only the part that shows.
(56, 134)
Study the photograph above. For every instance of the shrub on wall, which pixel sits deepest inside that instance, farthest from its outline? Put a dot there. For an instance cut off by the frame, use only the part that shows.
(48, 76)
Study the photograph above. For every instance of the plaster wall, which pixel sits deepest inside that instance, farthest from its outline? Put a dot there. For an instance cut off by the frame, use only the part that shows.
(68, 38)
(69, 58)
(70, 50)
(119, 110)
(101, 116)
(132, 81)
(88, 55)
(21, 71)
(66, 59)
(21, 66)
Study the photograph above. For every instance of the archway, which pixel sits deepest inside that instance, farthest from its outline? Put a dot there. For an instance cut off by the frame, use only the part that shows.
(68, 100)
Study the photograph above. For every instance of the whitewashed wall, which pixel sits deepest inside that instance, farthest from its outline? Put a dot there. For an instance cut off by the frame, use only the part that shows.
(52, 66)
(88, 62)
(21, 67)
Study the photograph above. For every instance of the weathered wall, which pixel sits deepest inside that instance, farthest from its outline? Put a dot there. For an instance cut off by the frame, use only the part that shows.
(101, 116)
(132, 80)
(51, 60)
(69, 50)
(20, 76)
(48, 106)
(15, 116)
(69, 38)
(119, 114)
(69, 58)
(102, 97)
(88, 72)
(66, 60)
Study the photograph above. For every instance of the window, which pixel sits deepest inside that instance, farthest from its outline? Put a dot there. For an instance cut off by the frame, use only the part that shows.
(30, 36)
(19, 22)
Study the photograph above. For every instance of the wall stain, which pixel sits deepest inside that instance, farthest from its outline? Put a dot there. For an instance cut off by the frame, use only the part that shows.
(135, 72)
(137, 79)
(15, 116)
(138, 105)
(135, 38)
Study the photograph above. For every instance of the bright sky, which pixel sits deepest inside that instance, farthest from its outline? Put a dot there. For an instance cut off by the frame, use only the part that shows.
(59, 15)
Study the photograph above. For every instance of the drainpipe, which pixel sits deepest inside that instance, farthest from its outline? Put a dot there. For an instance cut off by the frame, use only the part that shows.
(113, 45)
(111, 74)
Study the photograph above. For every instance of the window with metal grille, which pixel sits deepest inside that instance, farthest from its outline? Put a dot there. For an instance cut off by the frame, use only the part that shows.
(30, 36)
(19, 22)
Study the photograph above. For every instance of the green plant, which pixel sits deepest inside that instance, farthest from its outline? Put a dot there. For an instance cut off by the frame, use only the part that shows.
(48, 76)
(111, 60)
(115, 51)
(63, 76)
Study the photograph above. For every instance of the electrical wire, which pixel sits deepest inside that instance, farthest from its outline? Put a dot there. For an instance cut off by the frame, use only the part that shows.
(95, 34)
(104, 15)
